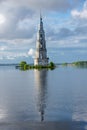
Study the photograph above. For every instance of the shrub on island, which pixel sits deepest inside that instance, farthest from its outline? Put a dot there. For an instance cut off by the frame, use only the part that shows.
(22, 63)
(24, 66)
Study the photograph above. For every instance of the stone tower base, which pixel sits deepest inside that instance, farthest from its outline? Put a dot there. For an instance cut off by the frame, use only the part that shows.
(43, 62)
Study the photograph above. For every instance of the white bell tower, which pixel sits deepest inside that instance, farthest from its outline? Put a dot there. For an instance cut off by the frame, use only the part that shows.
(41, 51)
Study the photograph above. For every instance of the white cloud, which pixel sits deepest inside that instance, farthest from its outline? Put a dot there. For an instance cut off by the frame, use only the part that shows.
(2, 48)
(12, 55)
(2, 19)
(80, 14)
(16, 44)
(31, 52)
(75, 13)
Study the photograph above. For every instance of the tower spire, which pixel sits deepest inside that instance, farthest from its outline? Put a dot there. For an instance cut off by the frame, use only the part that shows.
(41, 22)
(40, 14)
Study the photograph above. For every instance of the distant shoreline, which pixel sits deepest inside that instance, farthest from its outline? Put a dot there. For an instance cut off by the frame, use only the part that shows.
(8, 64)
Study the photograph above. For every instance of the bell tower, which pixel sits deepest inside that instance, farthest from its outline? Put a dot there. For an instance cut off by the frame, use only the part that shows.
(41, 51)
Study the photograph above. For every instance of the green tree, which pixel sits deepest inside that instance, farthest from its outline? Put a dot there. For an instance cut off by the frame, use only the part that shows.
(52, 65)
(22, 63)
(26, 66)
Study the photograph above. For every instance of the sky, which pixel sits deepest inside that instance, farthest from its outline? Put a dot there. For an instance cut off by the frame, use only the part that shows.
(65, 25)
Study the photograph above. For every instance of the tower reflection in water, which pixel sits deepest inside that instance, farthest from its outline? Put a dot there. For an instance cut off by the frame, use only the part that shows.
(41, 90)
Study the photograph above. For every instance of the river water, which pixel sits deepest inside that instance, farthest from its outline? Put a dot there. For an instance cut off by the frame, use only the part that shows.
(43, 95)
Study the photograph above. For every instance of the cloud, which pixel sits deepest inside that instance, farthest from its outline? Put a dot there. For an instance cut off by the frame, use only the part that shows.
(31, 52)
(80, 18)
(81, 30)
(16, 44)
(65, 32)
(2, 48)
(12, 55)
(22, 18)
(61, 5)
(80, 14)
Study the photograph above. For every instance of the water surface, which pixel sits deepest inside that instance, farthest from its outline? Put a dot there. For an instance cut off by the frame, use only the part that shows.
(43, 95)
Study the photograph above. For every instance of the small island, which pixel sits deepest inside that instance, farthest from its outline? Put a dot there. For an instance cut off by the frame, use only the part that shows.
(24, 66)
(80, 64)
